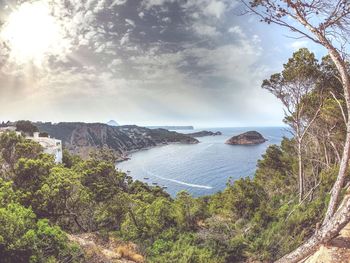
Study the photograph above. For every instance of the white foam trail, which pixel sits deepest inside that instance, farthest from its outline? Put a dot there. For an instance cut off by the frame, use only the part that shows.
(179, 182)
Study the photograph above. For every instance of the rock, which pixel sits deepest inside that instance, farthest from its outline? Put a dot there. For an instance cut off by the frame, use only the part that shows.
(204, 133)
(336, 251)
(247, 138)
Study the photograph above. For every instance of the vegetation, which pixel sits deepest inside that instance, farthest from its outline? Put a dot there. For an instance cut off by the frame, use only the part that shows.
(260, 218)
(26, 127)
(325, 23)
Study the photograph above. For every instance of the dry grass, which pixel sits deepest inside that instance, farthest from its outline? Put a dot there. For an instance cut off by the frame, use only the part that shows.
(128, 251)
(98, 250)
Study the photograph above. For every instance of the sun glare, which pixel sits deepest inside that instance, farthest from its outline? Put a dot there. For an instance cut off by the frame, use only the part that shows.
(32, 33)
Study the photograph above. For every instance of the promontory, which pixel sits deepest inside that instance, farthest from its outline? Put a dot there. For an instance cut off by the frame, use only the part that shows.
(247, 138)
(204, 133)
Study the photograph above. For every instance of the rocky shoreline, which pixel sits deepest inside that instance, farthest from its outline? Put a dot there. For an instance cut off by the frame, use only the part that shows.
(126, 156)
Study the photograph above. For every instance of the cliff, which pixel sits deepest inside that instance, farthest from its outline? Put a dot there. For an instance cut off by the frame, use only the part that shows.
(247, 138)
(82, 138)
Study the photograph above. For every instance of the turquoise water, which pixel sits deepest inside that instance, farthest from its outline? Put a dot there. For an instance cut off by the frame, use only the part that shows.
(203, 168)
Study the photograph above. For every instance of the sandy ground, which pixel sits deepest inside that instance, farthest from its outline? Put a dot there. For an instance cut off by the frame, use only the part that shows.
(337, 251)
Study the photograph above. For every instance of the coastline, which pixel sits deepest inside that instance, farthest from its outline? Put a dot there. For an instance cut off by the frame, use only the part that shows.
(208, 164)
(126, 155)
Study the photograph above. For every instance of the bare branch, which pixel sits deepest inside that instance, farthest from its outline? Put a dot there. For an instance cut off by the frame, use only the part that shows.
(340, 107)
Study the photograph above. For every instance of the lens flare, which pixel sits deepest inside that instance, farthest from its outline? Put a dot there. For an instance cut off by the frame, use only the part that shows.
(32, 34)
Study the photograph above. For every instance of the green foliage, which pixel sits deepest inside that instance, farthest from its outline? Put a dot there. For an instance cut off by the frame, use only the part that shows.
(70, 160)
(243, 197)
(145, 221)
(102, 179)
(26, 127)
(23, 239)
(62, 196)
(104, 154)
(7, 194)
(275, 169)
(257, 218)
(187, 211)
(186, 249)
(15, 222)
(28, 149)
(253, 218)
(29, 175)
(8, 143)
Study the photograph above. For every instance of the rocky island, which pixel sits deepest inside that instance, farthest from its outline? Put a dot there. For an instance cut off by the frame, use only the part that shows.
(204, 133)
(247, 138)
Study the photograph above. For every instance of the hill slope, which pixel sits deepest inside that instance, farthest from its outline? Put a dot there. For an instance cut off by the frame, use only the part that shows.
(81, 138)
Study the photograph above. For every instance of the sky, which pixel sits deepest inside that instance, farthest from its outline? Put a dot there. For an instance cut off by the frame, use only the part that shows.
(144, 62)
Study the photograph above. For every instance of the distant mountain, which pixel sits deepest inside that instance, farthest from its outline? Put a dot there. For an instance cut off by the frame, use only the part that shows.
(172, 127)
(82, 138)
(113, 123)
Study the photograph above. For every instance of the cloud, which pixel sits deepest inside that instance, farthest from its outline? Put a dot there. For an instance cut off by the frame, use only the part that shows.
(117, 3)
(205, 30)
(148, 4)
(236, 30)
(145, 61)
(141, 15)
(215, 8)
(130, 22)
(125, 39)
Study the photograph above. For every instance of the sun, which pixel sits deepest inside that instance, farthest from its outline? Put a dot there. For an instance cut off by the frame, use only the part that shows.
(33, 34)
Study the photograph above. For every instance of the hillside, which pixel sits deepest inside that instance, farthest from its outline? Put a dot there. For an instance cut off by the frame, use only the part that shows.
(81, 138)
(204, 133)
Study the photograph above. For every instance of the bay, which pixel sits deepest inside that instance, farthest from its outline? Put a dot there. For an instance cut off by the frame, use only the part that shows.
(204, 168)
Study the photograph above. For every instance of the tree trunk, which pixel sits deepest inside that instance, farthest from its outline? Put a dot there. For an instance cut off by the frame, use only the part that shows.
(335, 151)
(338, 185)
(133, 218)
(335, 219)
(301, 172)
(340, 64)
(324, 235)
(325, 153)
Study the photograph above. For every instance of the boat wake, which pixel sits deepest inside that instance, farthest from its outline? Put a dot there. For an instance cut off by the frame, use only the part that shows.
(178, 182)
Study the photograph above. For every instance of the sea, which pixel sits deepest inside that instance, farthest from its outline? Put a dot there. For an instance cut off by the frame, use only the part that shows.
(204, 168)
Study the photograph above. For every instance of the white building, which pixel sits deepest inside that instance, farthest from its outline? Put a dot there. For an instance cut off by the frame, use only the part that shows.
(50, 145)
